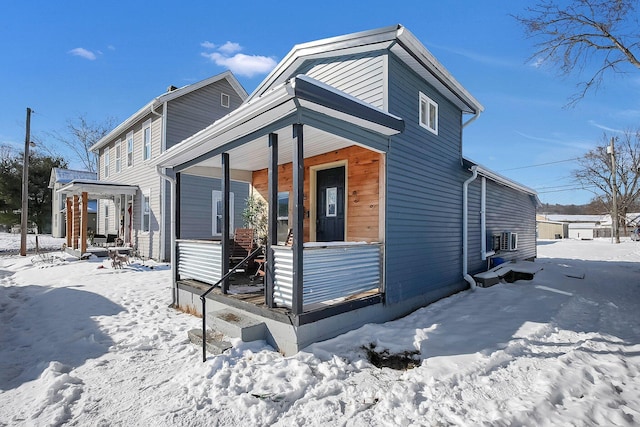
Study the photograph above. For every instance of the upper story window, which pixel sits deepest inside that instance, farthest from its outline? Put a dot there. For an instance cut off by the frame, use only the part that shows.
(225, 100)
(146, 140)
(130, 149)
(428, 113)
(118, 157)
(107, 160)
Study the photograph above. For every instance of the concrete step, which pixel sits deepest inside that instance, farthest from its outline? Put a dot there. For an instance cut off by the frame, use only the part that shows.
(215, 344)
(237, 325)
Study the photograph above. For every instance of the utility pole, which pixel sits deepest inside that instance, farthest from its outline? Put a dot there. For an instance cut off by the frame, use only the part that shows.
(25, 188)
(614, 211)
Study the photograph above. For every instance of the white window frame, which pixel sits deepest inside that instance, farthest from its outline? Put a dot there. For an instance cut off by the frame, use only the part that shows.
(426, 106)
(225, 100)
(146, 141)
(118, 149)
(129, 143)
(107, 160)
(216, 197)
(145, 212)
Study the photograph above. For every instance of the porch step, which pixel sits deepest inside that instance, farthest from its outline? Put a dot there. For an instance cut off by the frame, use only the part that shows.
(236, 324)
(215, 345)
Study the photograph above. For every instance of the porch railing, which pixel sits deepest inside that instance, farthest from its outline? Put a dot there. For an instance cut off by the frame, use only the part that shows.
(331, 272)
(200, 260)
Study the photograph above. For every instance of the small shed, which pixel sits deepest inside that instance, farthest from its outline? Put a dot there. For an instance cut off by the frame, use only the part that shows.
(581, 230)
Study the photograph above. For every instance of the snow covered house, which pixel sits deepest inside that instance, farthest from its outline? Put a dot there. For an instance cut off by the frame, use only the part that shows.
(59, 178)
(355, 142)
(133, 199)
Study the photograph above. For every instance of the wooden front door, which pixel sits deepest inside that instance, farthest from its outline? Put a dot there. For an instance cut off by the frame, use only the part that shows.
(330, 205)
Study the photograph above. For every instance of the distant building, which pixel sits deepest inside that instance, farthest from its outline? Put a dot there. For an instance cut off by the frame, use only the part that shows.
(59, 178)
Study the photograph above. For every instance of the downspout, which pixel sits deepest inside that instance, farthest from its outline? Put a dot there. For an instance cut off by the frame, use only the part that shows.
(174, 263)
(465, 227)
(471, 120)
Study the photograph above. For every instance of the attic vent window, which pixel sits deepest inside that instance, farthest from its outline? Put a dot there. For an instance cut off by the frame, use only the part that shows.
(428, 113)
(225, 100)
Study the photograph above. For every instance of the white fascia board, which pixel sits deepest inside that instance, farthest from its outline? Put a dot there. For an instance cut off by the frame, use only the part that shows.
(181, 152)
(360, 41)
(168, 96)
(410, 42)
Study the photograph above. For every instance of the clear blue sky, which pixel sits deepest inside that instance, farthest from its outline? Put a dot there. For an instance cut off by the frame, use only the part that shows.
(64, 59)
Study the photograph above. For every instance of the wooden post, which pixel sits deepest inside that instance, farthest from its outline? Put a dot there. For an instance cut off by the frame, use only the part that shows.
(226, 252)
(69, 222)
(272, 232)
(83, 223)
(76, 221)
(298, 219)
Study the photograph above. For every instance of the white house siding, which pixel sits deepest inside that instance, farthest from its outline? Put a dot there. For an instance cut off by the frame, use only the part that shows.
(362, 76)
(424, 192)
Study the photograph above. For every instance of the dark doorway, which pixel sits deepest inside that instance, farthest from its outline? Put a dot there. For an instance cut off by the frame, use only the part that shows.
(330, 205)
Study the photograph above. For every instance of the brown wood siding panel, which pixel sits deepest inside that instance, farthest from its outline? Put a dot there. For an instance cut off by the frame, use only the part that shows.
(363, 196)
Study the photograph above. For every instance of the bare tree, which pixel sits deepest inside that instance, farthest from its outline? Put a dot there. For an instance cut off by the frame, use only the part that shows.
(80, 134)
(583, 32)
(595, 170)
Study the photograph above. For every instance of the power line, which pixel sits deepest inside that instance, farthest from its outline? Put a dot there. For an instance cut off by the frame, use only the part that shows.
(541, 164)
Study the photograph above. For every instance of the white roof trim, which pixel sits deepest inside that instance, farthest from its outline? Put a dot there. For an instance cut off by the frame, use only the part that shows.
(168, 96)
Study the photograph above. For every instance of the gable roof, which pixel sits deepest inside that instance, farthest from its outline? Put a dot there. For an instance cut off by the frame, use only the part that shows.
(500, 179)
(168, 96)
(397, 39)
(64, 176)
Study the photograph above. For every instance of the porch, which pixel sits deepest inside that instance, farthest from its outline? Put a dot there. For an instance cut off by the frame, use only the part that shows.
(334, 273)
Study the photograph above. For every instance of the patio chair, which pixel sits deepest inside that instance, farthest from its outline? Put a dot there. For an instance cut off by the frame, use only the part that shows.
(261, 259)
(242, 245)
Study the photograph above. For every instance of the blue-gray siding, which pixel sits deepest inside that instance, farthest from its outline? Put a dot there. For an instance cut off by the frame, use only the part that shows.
(196, 209)
(506, 209)
(424, 193)
(362, 75)
(194, 111)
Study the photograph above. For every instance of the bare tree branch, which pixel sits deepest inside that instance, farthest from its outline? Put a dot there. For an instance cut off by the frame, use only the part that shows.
(604, 32)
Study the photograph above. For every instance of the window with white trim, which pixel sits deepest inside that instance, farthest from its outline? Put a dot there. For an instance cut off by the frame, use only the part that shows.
(146, 140)
(107, 160)
(146, 212)
(225, 100)
(216, 208)
(130, 149)
(428, 113)
(118, 155)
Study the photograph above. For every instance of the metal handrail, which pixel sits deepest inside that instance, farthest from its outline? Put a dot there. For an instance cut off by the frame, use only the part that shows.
(203, 298)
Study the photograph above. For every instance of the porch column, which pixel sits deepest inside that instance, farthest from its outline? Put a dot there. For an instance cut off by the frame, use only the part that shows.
(298, 218)
(225, 221)
(76, 221)
(83, 222)
(69, 221)
(272, 232)
(176, 220)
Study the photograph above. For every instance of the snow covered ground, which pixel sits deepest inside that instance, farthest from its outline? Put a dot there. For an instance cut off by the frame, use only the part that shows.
(83, 344)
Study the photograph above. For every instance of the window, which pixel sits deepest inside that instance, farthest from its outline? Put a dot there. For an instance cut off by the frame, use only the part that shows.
(118, 162)
(106, 162)
(332, 202)
(130, 149)
(216, 229)
(106, 218)
(146, 138)
(146, 211)
(428, 113)
(225, 100)
(283, 216)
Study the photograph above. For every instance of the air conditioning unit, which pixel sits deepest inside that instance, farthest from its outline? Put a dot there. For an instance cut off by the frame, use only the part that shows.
(508, 241)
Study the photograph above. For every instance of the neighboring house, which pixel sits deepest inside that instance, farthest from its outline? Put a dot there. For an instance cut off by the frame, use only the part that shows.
(133, 198)
(584, 227)
(60, 178)
(355, 142)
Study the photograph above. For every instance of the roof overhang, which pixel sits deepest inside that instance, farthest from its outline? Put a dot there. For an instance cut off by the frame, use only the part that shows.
(500, 179)
(396, 39)
(98, 189)
(166, 97)
(299, 100)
